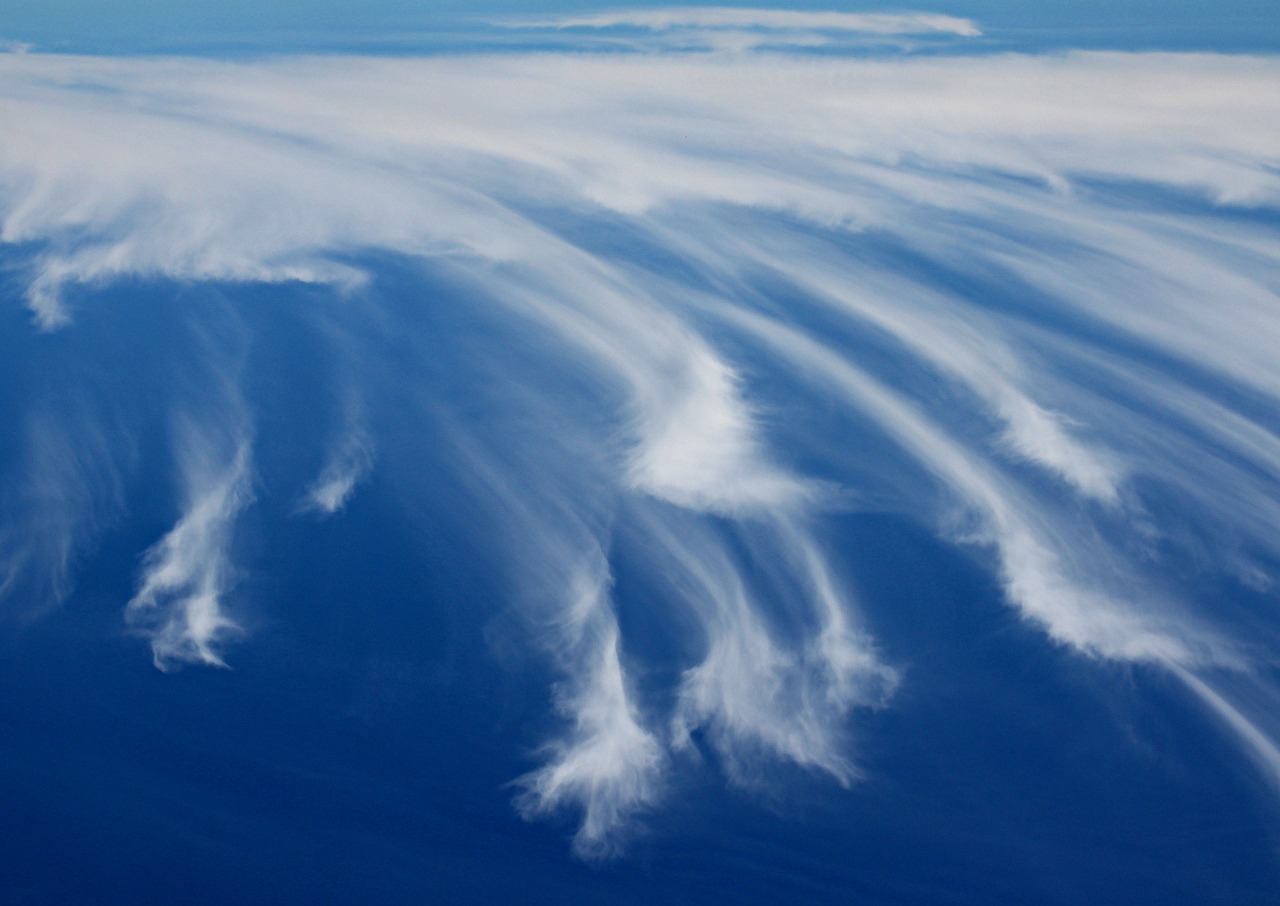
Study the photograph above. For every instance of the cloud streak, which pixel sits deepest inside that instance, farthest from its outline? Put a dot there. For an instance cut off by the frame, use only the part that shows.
(180, 603)
(608, 766)
(989, 295)
(777, 19)
(348, 464)
(745, 28)
(69, 488)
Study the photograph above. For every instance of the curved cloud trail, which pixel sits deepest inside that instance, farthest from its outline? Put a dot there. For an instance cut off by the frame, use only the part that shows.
(772, 19)
(186, 574)
(742, 28)
(608, 765)
(69, 489)
(348, 462)
(989, 294)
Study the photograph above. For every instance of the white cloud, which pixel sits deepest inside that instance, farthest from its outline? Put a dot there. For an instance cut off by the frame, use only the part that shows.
(337, 482)
(698, 446)
(70, 487)
(608, 766)
(759, 696)
(723, 17)
(827, 259)
(179, 604)
(1259, 745)
(964, 343)
(348, 463)
(1036, 547)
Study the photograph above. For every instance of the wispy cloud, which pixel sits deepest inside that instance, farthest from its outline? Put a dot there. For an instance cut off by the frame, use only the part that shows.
(748, 17)
(744, 28)
(992, 294)
(698, 446)
(348, 462)
(179, 605)
(609, 765)
(67, 489)
(1257, 732)
(759, 696)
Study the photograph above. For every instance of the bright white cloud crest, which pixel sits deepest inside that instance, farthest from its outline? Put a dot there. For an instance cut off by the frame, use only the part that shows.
(743, 28)
(928, 256)
(743, 17)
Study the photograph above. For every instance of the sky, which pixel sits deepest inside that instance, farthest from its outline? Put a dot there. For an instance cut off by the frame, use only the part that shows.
(603, 454)
(168, 26)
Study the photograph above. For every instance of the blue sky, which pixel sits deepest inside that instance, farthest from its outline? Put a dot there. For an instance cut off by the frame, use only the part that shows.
(172, 25)
(800, 452)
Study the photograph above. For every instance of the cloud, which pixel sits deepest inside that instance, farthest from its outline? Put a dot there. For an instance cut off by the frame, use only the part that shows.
(121, 208)
(698, 447)
(1034, 546)
(1260, 745)
(723, 17)
(70, 488)
(348, 463)
(989, 294)
(337, 482)
(186, 574)
(608, 765)
(758, 696)
(964, 344)
(744, 28)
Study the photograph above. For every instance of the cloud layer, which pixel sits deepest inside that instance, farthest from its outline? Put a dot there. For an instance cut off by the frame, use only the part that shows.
(992, 295)
(774, 19)
(746, 28)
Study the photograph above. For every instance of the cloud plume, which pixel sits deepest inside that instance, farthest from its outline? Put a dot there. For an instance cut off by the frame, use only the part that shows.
(744, 28)
(988, 295)
(179, 605)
